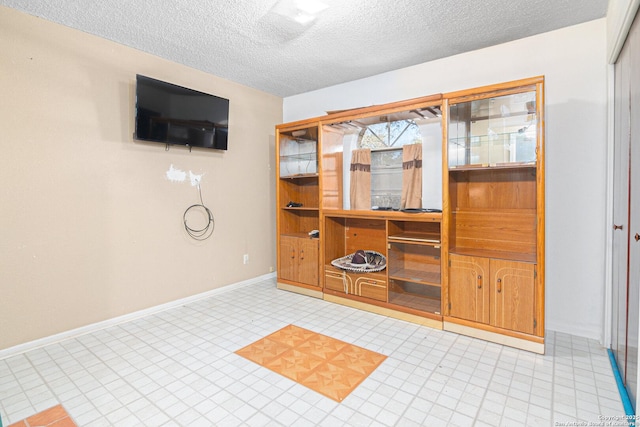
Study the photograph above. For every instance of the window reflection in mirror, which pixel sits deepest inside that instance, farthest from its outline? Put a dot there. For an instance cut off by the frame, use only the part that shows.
(385, 135)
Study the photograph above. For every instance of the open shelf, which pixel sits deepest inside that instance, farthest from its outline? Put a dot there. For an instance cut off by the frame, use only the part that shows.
(501, 115)
(300, 176)
(414, 232)
(299, 189)
(299, 235)
(507, 165)
(415, 296)
(430, 305)
(301, 208)
(417, 276)
(416, 237)
(310, 156)
(413, 262)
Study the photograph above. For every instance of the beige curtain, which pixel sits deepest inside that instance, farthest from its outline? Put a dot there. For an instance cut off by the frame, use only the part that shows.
(411, 177)
(360, 191)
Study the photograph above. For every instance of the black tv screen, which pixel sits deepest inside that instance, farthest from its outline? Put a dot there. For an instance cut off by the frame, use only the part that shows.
(173, 114)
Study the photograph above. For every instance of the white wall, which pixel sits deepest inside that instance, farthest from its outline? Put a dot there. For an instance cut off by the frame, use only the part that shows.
(574, 63)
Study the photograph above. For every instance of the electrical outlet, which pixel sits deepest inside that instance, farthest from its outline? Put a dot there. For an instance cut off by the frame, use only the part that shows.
(245, 259)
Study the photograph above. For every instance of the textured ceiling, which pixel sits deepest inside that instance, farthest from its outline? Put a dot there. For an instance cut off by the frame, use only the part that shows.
(248, 42)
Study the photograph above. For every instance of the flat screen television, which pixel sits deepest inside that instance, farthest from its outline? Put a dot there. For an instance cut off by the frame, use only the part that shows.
(176, 115)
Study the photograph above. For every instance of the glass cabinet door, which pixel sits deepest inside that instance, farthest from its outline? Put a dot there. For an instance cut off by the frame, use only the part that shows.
(493, 132)
(299, 153)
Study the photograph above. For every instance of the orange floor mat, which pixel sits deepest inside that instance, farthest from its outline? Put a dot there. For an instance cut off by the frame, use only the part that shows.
(55, 416)
(329, 366)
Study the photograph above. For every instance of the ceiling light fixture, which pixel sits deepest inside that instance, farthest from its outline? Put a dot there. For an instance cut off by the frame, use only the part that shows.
(304, 12)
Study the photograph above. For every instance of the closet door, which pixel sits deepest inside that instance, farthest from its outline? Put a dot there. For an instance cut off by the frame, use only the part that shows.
(626, 212)
(633, 306)
(621, 210)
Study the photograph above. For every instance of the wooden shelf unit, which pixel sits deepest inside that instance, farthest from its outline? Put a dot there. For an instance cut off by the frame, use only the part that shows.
(492, 220)
(411, 243)
(298, 182)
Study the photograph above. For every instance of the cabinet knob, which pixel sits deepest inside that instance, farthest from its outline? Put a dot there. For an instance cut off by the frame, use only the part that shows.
(293, 253)
(479, 281)
(302, 254)
(637, 237)
(499, 285)
(617, 227)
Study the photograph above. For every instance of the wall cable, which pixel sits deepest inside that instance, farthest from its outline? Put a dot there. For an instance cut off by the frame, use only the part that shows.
(199, 233)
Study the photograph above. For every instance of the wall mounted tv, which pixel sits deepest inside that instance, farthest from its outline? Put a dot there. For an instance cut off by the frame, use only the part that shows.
(175, 115)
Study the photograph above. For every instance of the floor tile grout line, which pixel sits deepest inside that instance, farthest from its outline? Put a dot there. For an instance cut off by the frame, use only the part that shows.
(553, 382)
(496, 366)
(486, 390)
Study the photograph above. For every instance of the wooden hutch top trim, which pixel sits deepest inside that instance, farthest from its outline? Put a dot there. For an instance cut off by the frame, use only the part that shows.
(494, 89)
(436, 99)
(341, 115)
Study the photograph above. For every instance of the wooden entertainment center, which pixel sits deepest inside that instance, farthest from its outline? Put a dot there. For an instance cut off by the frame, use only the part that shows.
(471, 261)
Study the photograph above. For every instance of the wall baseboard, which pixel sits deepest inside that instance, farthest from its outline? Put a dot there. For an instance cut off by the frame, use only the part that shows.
(591, 332)
(73, 333)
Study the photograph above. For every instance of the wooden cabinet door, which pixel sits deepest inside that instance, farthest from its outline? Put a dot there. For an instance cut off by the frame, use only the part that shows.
(469, 288)
(299, 260)
(308, 261)
(513, 297)
(288, 258)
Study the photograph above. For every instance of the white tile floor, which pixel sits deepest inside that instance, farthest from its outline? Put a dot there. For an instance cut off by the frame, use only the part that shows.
(179, 368)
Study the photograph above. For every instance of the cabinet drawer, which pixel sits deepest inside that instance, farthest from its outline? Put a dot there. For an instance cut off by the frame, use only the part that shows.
(368, 285)
(371, 288)
(335, 281)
